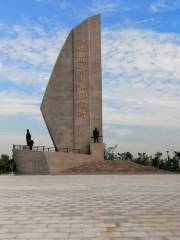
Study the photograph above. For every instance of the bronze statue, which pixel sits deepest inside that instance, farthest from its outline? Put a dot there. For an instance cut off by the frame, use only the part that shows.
(96, 135)
(28, 137)
(29, 141)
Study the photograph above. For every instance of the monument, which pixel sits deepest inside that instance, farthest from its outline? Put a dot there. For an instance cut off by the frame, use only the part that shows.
(72, 105)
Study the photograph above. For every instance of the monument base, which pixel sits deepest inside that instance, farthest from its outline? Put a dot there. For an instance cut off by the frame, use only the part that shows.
(54, 163)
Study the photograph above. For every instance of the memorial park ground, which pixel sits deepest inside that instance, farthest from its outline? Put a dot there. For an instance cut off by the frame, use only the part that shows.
(114, 207)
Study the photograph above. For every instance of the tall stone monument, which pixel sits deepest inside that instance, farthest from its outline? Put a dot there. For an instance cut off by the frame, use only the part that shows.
(71, 107)
(72, 104)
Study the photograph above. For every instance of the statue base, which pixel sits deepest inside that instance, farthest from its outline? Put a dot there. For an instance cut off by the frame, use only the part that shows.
(54, 163)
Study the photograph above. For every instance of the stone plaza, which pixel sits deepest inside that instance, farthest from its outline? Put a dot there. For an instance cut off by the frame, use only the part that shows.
(82, 207)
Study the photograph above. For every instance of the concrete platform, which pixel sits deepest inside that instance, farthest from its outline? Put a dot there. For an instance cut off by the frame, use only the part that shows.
(101, 207)
(54, 163)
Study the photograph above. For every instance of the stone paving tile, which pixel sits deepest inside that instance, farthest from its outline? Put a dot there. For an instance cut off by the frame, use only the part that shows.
(96, 207)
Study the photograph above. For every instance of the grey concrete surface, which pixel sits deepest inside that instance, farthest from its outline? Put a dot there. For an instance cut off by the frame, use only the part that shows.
(72, 103)
(101, 207)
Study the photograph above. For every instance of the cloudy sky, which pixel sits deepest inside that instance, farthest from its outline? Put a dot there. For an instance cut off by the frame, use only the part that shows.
(140, 64)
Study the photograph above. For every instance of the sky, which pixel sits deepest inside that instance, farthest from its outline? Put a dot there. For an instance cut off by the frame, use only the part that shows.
(140, 69)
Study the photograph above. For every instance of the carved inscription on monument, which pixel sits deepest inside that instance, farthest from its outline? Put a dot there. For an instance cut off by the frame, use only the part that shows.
(81, 81)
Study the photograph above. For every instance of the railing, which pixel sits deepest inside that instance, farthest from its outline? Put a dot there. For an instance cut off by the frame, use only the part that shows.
(74, 150)
(52, 149)
(46, 149)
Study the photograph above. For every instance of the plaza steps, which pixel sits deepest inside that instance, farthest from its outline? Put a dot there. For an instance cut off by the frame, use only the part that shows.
(112, 166)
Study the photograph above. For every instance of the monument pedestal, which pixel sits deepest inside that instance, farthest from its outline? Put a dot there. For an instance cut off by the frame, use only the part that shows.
(36, 162)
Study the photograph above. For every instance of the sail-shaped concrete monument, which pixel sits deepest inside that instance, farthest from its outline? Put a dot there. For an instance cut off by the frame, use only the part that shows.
(72, 104)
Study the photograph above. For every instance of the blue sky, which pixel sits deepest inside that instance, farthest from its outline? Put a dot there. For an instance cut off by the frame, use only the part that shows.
(140, 64)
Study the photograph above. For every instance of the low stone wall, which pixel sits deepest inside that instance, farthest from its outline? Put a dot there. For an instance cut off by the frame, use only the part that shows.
(36, 162)
(30, 162)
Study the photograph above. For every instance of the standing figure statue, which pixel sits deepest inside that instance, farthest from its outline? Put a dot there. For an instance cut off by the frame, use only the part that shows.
(96, 135)
(28, 137)
(29, 141)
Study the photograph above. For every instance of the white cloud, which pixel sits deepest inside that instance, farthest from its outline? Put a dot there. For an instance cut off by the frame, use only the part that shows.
(123, 132)
(141, 78)
(60, 3)
(13, 104)
(109, 6)
(164, 5)
(117, 131)
(100, 6)
(63, 4)
(23, 75)
(28, 53)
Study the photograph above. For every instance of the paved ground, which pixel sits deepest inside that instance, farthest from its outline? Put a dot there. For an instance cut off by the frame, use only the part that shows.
(90, 207)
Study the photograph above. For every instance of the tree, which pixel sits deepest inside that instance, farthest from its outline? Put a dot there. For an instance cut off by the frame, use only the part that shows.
(125, 156)
(143, 159)
(107, 152)
(129, 156)
(4, 163)
(157, 159)
(175, 161)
